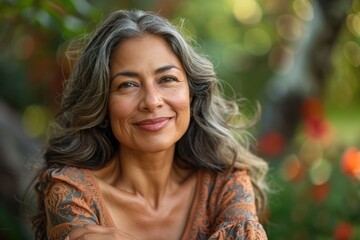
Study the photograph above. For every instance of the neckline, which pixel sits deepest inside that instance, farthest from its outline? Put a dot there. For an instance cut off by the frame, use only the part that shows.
(192, 213)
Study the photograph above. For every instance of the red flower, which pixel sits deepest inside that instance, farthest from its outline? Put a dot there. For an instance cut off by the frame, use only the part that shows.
(316, 125)
(271, 144)
(350, 162)
(343, 231)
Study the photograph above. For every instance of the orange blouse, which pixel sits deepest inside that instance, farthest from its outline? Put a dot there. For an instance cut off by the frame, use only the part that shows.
(223, 208)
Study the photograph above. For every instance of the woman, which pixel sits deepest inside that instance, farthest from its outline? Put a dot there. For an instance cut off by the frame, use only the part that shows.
(145, 146)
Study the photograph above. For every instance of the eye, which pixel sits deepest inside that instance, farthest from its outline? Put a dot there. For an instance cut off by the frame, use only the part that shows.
(168, 79)
(127, 85)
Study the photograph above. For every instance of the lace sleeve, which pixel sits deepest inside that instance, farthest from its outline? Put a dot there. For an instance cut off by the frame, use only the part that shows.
(67, 208)
(236, 215)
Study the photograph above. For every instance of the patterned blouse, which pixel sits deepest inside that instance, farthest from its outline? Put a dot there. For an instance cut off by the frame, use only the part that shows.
(223, 207)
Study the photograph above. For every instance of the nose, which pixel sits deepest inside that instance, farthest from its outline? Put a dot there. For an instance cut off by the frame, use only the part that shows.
(151, 99)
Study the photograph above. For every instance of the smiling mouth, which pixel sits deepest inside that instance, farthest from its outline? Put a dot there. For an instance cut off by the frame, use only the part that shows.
(153, 125)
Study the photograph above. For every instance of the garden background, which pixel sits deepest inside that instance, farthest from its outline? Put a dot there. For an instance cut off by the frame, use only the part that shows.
(298, 59)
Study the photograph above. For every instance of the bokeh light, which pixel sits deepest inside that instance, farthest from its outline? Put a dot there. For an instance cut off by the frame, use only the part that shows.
(271, 144)
(73, 23)
(353, 23)
(343, 230)
(320, 172)
(83, 7)
(247, 11)
(257, 41)
(35, 120)
(351, 52)
(292, 169)
(281, 59)
(311, 152)
(350, 162)
(303, 9)
(289, 27)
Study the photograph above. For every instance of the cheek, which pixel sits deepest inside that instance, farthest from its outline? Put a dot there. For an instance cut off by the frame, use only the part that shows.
(182, 96)
(181, 100)
(117, 111)
(118, 116)
(182, 103)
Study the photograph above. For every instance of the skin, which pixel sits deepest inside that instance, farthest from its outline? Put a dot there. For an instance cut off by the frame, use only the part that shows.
(146, 194)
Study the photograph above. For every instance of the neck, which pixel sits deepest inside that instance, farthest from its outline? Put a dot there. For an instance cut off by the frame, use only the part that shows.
(149, 175)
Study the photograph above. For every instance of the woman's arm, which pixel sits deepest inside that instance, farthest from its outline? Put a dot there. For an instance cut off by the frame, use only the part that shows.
(67, 208)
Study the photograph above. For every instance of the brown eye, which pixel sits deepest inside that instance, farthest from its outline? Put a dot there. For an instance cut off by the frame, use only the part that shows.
(127, 85)
(168, 79)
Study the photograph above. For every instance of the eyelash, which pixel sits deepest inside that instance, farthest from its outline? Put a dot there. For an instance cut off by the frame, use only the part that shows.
(165, 79)
(127, 85)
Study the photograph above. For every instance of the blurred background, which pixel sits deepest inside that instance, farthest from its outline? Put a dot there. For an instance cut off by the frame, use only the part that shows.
(299, 59)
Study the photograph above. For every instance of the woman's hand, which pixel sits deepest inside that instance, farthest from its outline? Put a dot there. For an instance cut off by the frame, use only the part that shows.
(95, 232)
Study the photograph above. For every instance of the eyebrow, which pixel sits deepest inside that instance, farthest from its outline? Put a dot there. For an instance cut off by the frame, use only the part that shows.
(135, 74)
(166, 68)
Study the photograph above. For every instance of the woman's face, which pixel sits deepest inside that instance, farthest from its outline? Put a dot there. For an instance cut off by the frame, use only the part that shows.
(149, 103)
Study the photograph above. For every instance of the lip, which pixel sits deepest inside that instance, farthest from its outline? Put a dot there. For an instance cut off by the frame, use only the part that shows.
(153, 125)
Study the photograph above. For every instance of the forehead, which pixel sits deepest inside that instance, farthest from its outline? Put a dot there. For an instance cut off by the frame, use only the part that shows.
(144, 50)
(146, 42)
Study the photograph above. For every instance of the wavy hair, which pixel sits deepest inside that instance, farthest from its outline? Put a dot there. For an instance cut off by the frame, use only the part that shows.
(216, 139)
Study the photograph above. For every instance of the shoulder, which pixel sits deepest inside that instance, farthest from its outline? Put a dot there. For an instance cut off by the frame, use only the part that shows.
(228, 181)
(235, 176)
(232, 191)
(70, 175)
(238, 183)
(69, 184)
